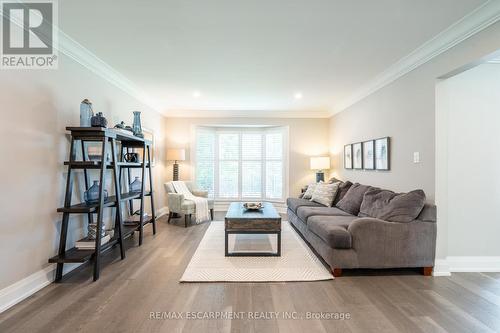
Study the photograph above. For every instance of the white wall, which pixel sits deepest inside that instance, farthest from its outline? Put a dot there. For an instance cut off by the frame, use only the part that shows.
(469, 161)
(405, 110)
(37, 105)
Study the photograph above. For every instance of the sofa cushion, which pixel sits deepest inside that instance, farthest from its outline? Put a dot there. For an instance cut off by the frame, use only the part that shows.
(343, 188)
(309, 191)
(305, 212)
(332, 229)
(294, 203)
(325, 193)
(351, 202)
(394, 207)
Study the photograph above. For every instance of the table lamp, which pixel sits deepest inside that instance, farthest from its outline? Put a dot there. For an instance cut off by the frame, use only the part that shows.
(320, 164)
(176, 154)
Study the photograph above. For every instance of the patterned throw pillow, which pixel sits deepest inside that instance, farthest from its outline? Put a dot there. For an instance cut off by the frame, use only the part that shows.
(310, 190)
(325, 193)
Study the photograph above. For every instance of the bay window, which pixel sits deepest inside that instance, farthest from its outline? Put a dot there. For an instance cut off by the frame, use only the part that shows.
(241, 163)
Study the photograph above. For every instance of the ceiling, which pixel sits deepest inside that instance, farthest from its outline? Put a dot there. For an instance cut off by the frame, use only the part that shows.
(197, 58)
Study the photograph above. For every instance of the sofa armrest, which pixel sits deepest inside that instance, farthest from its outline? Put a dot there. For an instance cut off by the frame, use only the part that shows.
(174, 201)
(200, 193)
(393, 244)
(365, 223)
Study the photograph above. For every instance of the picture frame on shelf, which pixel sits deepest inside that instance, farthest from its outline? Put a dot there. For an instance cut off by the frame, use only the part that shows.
(369, 155)
(382, 154)
(357, 156)
(348, 156)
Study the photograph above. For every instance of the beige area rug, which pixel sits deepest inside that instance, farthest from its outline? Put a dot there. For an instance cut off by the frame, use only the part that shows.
(297, 261)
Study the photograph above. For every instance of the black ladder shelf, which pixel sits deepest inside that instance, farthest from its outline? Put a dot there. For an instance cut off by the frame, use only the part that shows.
(116, 164)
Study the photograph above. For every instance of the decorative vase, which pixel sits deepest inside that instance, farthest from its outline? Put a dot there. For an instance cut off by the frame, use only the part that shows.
(91, 196)
(86, 113)
(92, 230)
(98, 120)
(136, 126)
(136, 185)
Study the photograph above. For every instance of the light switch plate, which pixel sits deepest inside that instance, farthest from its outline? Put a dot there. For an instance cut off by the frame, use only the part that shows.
(416, 157)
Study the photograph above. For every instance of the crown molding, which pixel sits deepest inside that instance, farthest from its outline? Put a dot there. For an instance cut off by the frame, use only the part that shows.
(77, 52)
(90, 61)
(246, 114)
(474, 22)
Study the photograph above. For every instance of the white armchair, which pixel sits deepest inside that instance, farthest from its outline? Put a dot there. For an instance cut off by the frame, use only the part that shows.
(177, 204)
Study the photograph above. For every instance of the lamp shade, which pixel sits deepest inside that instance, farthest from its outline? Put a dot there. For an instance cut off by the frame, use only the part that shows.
(320, 163)
(176, 154)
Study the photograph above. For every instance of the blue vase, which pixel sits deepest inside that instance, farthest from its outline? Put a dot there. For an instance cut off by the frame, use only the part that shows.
(91, 196)
(136, 185)
(136, 126)
(86, 113)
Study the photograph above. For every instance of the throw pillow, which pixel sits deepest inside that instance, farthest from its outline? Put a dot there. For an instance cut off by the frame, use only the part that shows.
(343, 188)
(310, 190)
(394, 207)
(351, 202)
(325, 193)
(334, 180)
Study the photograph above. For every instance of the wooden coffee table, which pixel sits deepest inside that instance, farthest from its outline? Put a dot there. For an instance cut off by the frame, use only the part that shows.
(241, 221)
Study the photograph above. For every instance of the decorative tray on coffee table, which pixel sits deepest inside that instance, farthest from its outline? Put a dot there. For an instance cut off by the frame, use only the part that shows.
(253, 205)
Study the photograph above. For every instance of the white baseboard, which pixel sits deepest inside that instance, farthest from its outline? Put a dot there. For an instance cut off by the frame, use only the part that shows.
(441, 268)
(162, 211)
(444, 267)
(473, 264)
(15, 293)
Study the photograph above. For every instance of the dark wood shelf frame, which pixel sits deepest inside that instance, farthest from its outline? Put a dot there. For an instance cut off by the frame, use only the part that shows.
(104, 136)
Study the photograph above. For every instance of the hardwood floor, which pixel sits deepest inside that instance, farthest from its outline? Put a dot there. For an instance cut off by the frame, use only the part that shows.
(147, 281)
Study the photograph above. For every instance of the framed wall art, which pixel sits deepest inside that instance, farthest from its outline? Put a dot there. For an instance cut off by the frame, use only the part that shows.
(357, 155)
(382, 154)
(348, 157)
(369, 155)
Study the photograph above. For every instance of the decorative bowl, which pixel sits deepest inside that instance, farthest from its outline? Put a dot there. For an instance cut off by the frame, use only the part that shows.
(252, 205)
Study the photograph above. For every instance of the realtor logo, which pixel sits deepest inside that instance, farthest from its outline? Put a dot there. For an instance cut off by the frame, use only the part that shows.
(28, 34)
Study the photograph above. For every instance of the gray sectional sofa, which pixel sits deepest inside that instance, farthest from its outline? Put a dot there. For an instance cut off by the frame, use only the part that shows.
(349, 240)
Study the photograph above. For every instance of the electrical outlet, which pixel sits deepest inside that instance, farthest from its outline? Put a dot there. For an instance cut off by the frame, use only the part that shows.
(416, 157)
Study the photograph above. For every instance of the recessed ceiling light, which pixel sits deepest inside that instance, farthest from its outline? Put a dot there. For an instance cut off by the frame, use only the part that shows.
(196, 94)
(298, 95)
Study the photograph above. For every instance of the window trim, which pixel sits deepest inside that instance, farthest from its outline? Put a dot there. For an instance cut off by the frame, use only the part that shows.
(284, 130)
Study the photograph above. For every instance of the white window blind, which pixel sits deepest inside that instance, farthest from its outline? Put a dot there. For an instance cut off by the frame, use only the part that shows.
(229, 156)
(251, 165)
(241, 163)
(274, 165)
(205, 160)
